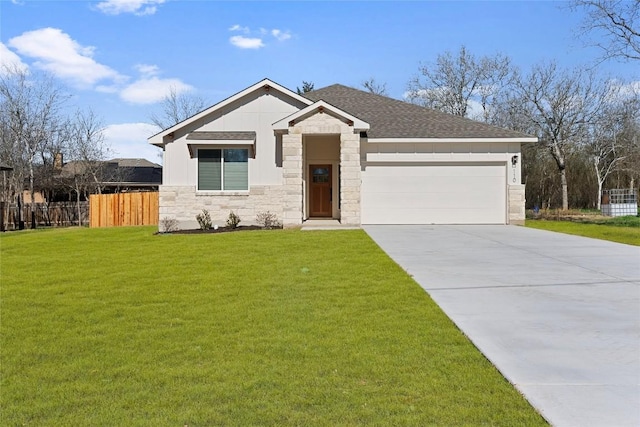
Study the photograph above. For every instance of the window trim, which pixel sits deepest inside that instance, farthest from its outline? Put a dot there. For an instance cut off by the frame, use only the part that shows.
(222, 166)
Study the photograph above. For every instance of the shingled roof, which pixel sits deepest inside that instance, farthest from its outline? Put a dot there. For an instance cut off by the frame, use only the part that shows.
(391, 118)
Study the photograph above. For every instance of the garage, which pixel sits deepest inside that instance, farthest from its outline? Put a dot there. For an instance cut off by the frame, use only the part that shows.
(435, 193)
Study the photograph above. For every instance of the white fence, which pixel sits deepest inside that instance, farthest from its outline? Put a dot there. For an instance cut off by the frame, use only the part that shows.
(619, 202)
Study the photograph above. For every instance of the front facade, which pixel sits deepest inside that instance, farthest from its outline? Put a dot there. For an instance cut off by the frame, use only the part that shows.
(338, 153)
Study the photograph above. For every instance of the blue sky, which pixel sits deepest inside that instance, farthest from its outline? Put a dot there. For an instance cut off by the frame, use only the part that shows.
(120, 57)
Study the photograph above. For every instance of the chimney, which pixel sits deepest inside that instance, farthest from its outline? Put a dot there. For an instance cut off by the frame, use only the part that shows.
(57, 161)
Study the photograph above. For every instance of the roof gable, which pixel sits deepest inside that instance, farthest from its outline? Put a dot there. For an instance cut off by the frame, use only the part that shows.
(159, 139)
(321, 107)
(391, 118)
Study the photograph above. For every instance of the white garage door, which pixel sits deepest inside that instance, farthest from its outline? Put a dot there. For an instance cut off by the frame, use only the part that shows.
(434, 194)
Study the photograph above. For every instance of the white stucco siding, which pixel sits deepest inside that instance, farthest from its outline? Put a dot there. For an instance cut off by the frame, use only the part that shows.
(452, 151)
(457, 152)
(256, 113)
(176, 164)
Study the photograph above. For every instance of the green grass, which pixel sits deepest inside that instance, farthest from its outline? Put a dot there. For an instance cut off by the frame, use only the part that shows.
(620, 230)
(122, 327)
(624, 221)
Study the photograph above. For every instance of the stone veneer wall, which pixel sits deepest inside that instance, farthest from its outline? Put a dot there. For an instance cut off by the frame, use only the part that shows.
(350, 178)
(292, 180)
(293, 163)
(183, 204)
(516, 202)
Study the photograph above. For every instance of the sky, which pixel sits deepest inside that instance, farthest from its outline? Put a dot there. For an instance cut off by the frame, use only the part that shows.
(121, 57)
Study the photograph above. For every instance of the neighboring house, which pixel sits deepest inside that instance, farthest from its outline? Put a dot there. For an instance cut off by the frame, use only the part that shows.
(117, 175)
(338, 153)
(128, 175)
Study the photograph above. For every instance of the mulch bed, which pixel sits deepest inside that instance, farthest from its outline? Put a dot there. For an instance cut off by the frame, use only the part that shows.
(219, 230)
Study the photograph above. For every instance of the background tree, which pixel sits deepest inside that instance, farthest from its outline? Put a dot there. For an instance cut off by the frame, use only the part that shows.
(50, 163)
(176, 107)
(374, 87)
(613, 26)
(456, 81)
(87, 151)
(613, 138)
(12, 155)
(306, 87)
(31, 110)
(561, 105)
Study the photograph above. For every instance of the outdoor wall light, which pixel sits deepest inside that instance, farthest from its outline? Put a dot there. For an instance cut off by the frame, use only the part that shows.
(514, 161)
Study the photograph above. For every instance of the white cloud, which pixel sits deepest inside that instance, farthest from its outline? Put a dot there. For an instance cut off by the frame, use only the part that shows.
(280, 35)
(137, 7)
(246, 42)
(9, 61)
(149, 90)
(57, 53)
(147, 70)
(239, 28)
(107, 89)
(626, 89)
(129, 140)
(243, 42)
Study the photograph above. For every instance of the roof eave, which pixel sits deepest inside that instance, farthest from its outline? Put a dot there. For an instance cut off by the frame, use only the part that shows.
(521, 140)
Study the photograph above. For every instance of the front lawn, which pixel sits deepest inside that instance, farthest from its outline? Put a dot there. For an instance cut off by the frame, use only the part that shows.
(620, 230)
(122, 327)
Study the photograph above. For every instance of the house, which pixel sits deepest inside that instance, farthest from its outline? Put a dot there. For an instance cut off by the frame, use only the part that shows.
(129, 175)
(115, 175)
(338, 153)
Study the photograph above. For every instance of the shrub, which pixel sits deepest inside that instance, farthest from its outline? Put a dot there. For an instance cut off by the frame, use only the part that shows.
(233, 220)
(168, 225)
(204, 219)
(268, 220)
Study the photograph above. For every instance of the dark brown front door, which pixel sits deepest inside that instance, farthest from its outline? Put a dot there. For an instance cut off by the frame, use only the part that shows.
(320, 191)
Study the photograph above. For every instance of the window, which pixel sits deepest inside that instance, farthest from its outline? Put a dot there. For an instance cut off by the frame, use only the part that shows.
(223, 169)
(320, 175)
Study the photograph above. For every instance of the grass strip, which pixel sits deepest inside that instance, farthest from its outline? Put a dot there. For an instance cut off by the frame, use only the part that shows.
(622, 232)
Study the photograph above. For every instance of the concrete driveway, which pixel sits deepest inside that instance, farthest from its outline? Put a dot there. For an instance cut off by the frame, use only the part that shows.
(558, 315)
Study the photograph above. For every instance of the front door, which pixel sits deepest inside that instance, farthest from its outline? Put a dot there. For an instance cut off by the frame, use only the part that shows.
(320, 191)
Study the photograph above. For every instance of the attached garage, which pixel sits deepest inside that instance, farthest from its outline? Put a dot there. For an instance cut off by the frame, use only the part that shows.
(435, 193)
(421, 166)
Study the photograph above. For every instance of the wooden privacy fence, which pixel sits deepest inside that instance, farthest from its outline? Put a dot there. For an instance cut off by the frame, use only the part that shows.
(116, 210)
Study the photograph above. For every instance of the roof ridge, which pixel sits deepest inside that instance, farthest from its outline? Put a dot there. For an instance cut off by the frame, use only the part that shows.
(396, 118)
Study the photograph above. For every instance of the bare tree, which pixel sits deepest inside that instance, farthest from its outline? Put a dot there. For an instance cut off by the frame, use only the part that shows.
(306, 87)
(613, 26)
(11, 155)
(561, 105)
(87, 151)
(456, 81)
(31, 107)
(614, 136)
(374, 87)
(176, 107)
(630, 165)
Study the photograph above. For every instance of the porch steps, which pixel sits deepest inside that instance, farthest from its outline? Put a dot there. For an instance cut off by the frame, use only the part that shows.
(326, 224)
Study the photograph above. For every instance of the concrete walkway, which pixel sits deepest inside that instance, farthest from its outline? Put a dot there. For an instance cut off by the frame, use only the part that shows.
(558, 315)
